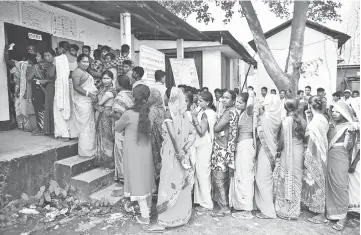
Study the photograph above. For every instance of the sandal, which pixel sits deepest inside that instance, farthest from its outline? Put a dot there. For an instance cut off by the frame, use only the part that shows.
(316, 220)
(242, 215)
(339, 226)
(155, 228)
(263, 216)
(137, 220)
(221, 213)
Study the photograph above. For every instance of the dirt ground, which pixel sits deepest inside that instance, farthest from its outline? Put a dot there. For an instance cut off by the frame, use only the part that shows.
(199, 224)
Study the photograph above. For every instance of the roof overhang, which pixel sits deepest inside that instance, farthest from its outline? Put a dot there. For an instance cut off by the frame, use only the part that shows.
(341, 37)
(149, 20)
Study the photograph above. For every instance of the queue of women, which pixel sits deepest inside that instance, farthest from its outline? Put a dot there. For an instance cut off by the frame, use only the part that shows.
(242, 158)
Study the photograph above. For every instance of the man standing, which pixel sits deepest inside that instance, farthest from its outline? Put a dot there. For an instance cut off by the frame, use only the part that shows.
(137, 75)
(307, 93)
(347, 96)
(355, 94)
(273, 91)
(159, 84)
(119, 61)
(86, 50)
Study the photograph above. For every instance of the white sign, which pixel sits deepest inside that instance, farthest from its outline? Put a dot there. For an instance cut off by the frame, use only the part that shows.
(184, 72)
(35, 36)
(151, 60)
(36, 18)
(9, 12)
(64, 26)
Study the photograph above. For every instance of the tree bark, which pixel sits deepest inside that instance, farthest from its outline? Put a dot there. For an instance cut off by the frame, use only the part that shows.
(295, 52)
(274, 71)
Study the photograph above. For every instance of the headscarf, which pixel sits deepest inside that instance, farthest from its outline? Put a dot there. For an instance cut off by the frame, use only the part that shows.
(345, 110)
(178, 107)
(272, 106)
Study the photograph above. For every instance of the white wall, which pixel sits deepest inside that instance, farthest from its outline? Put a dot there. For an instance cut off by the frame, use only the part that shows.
(212, 69)
(88, 31)
(317, 45)
(164, 44)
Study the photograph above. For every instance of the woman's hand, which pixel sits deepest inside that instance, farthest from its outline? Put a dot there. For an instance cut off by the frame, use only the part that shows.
(93, 97)
(194, 113)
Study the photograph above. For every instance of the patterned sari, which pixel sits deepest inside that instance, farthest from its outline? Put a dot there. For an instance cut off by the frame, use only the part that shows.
(288, 175)
(156, 115)
(122, 102)
(313, 190)
(174, 194)
(104, 137)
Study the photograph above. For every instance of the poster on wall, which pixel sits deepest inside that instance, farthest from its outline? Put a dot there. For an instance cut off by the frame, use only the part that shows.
(184, 72)
(9, 12)
(35, 18)
(64, 26)
(151, 60)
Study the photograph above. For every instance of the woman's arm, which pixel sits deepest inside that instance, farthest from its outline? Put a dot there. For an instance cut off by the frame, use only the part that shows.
(76, 77)
(6, 57)
(281, 141)
(202, 127)
(30, 73)
(349, 141)
(122, 123)
(223, 121)
(250, 103)
(107, 96)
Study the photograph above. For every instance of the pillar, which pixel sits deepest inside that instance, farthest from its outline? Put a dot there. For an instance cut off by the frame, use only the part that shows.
(180, 49)
(126, 30)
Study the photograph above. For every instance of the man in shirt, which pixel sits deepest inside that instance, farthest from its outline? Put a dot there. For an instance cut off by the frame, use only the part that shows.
(137, 75)
(355, 94)
(86, 50)
(273, 91)
(119, 61)
(127, 66)
(307, 93)
(159, 76)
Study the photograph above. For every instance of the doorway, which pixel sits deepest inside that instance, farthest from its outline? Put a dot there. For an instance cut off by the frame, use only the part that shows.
(21, 37)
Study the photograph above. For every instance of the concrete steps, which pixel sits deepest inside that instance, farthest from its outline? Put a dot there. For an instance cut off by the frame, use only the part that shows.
(65, 169)
(107, 194)
(91, 181)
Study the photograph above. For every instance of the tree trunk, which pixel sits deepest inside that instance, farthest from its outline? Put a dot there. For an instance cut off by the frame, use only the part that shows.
(295, 52)
(274, 71)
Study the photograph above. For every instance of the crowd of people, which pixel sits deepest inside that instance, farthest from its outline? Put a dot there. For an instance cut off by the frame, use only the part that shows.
(228, 154)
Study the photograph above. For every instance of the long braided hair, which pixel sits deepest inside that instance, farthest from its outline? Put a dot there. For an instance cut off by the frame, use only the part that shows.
(141, 95)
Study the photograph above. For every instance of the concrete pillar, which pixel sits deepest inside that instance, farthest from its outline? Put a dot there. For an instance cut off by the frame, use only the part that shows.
(180, 49)
(126, 30)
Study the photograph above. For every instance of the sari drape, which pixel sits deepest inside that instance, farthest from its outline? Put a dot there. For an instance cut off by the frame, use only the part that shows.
(62, 98)
(82, 122)
(313, 189)
(354, 178)
(267, 129)
(288, 175)
(104, 134)
(156, 115)
(122, 102)
(174, 204)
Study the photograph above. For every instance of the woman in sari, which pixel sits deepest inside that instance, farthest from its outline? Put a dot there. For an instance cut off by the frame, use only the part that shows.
(242, 183)
(42, 85)
(203, 122)
(82, 123)
(24, 121)
(139, 183)
(341, 143)
(313, 189)
(269, 122)
(354, 170)
(174, 204)
(104, 137)
(289, 173)
(224, 148)
(122, 102)
(156, 115)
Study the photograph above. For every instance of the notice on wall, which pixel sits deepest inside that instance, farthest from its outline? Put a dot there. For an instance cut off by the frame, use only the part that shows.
(9, 12)
(36, 18)
(151, 60)
(184, 72)
(35, 36)
(64, 26)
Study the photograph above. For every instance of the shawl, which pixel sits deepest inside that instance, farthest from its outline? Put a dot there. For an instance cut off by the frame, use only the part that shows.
(62, 95)
(22, 67)
(288, 154)
(268, 126)
(355, 104)
(317, 131)
(155, 102)
(123, 101)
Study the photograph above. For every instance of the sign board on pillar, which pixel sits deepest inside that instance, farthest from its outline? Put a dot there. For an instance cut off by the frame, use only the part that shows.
(151, 60)
(184, 72)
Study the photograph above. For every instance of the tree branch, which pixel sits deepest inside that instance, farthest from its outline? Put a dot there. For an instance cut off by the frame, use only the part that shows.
(274, 71)
(295, 51)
